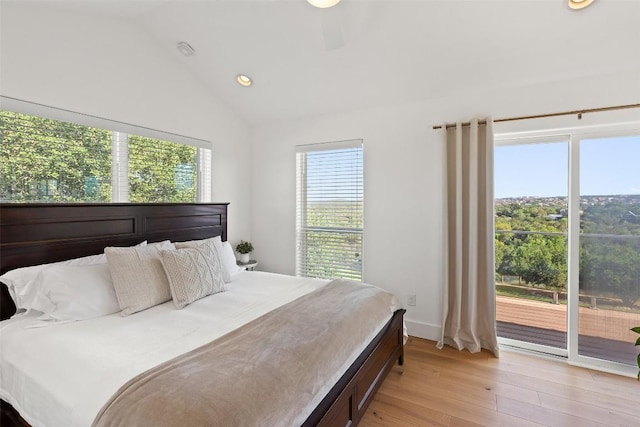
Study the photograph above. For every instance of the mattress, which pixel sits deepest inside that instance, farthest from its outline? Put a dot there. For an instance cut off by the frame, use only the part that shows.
(62, 375)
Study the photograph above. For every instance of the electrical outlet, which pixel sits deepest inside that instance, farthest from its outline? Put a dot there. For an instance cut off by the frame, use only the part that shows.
(411, 300)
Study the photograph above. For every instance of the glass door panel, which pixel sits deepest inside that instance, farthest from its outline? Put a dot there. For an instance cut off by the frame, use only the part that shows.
(609, 259)
(531, 216)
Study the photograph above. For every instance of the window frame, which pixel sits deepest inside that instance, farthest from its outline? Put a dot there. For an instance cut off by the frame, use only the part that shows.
(573, 135)
(120, 132)
(302, 197)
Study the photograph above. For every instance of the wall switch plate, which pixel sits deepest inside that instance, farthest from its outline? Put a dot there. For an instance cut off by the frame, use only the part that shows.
(411, 300)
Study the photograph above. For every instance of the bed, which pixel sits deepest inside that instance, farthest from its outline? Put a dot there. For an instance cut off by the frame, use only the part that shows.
(33, 234)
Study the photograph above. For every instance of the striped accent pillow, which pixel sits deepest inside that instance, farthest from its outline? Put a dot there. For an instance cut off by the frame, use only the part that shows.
(138, 277)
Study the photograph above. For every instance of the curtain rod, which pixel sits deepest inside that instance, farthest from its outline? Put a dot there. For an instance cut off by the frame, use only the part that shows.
(539, 116)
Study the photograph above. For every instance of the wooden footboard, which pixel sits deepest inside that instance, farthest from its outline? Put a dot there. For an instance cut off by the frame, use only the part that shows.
(348, 400)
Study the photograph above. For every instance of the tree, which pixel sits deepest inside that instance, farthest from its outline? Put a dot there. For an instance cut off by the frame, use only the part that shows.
(161, 171)
(609, 252)
(50, 160)
(612, 267)
(538, 259)
(44, 160)
(542, 260)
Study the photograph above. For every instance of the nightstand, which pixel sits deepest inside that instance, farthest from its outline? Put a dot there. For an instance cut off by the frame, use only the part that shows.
(249, 266)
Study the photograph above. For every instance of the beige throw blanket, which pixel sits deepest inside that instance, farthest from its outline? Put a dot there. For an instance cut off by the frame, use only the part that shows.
(272, 371)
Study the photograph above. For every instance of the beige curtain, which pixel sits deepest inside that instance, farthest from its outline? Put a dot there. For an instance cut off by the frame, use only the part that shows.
(469, 303)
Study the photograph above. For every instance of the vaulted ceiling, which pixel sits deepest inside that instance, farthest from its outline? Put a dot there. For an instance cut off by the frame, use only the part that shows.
(307, 61)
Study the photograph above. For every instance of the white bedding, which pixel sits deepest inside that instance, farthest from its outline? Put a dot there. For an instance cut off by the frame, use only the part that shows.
(69, 371)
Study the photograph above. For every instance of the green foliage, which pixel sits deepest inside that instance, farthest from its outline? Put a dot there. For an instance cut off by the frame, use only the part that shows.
(161, 171)
(609, 265)
(332, 239)
(538, 259)
(335, 214)
(244, 247)
(541, 259)
(43, 160)
(333, 254)
(611, 218)
(50, 160)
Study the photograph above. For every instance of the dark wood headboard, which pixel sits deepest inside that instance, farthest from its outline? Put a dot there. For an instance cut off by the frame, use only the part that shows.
(32, 234)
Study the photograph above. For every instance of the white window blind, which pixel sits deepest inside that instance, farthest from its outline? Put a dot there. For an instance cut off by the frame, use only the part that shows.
(56, 155)
(329, 210)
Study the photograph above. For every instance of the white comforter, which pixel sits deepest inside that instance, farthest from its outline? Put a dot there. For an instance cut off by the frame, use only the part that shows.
(62, 375)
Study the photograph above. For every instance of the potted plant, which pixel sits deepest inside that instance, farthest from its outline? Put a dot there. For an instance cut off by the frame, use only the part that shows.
(637, 331)
(244, 249)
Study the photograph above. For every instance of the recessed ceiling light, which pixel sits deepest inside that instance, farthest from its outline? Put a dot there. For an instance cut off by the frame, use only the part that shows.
(323, 4)
(186, 49)
(244, 80)
(579, 4)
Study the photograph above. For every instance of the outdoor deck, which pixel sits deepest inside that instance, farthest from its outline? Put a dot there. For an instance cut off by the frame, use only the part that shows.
(603, 334)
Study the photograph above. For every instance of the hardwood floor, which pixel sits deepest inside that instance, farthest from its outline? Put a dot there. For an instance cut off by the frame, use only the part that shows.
(455, 388)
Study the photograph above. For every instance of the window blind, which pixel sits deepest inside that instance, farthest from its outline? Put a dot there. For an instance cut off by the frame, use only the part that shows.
(329, 210)
(58, 157)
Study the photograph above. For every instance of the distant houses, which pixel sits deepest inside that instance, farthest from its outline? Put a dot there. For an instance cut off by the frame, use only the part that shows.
(631, 217)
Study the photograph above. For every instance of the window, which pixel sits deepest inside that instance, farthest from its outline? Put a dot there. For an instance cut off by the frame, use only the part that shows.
(44, 159)
(329, 210)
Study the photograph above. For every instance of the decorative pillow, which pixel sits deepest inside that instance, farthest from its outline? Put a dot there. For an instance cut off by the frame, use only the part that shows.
(217, 243)
(75, 292)
(229, 259)
(138, 277)
(192, 273)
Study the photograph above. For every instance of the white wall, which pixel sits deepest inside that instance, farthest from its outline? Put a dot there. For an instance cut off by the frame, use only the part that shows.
(404, 178)
(111, 69)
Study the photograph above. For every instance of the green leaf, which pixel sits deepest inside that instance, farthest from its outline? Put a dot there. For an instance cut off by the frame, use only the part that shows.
(636, 329)
(638, 343)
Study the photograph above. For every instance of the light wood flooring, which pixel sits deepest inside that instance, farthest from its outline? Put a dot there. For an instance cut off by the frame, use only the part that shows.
(455, 388)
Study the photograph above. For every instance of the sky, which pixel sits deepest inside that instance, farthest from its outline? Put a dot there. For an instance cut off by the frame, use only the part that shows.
(608, 166)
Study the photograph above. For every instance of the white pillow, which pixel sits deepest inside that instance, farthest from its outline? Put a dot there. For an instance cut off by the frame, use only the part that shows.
(22, 283)
(23, 287)
(138, 277)
(75, 292)
(217, 243)
(160, 244)
(193, 273)
(229, 260)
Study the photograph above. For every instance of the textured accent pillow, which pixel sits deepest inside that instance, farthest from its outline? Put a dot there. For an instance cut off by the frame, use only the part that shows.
(138, 277)
(192, 274)
(75, 293)
(217, 244)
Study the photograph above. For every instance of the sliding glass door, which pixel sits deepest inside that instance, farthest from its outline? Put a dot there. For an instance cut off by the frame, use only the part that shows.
(567, 215)
(608, 303)
(531, 217)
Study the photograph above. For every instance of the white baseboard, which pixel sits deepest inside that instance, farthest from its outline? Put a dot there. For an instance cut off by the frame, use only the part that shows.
(423, 330)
